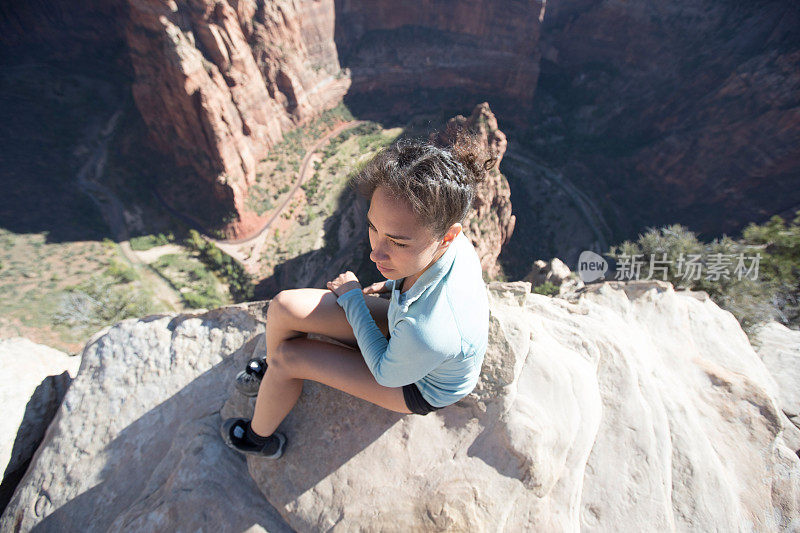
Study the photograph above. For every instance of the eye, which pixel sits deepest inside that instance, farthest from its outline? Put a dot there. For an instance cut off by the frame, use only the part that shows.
(395, 243)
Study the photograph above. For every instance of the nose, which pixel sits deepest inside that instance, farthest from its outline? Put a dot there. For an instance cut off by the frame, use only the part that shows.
(378, 255)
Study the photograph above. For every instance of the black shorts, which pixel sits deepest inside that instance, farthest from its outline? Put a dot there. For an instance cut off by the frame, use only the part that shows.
(415, 402)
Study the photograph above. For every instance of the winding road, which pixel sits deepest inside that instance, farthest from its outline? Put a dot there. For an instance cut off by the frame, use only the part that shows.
(591, 214)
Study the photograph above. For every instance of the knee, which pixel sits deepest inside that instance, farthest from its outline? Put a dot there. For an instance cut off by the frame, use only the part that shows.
(277, 306)
(285, 302)
(282, 358)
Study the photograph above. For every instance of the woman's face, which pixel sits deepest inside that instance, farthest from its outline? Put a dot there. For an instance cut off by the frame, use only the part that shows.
(400, 247)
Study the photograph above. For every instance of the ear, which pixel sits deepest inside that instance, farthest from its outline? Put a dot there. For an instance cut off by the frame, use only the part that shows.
(452, 233)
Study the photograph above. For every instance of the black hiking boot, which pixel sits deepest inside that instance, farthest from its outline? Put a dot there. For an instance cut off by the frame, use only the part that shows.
(237, 434)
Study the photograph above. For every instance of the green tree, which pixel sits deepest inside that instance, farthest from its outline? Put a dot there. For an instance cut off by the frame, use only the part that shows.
(749, 298)
(780, 263)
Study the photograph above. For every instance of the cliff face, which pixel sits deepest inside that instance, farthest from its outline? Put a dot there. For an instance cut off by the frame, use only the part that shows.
(485, 48)
(62, 31)
(630, 407)
(675, 112)
(219, 83)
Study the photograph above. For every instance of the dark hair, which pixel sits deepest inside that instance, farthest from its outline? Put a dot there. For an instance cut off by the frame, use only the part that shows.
(437, 182)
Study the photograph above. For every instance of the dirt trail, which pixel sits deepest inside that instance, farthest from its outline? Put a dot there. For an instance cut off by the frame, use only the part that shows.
(148, 256)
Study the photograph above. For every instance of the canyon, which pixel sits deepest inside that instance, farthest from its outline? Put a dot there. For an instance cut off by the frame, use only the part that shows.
(621, 100)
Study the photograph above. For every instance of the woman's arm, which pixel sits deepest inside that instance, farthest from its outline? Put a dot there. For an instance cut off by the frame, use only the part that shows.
(404, 359)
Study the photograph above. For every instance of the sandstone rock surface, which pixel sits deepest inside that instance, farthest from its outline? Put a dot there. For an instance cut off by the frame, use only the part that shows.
(554, 271)
(490, 222)
(779, 348)
(135, 444)
(634, 408)
(33, 381)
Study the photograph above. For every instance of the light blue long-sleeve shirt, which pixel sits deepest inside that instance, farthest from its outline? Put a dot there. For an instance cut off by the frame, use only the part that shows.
(439, 328)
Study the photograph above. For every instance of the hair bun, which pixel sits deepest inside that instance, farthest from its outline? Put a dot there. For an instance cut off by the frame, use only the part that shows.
(468, 149)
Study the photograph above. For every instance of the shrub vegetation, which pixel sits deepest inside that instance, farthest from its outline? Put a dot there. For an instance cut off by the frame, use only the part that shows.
(240, 282)
(756, 277)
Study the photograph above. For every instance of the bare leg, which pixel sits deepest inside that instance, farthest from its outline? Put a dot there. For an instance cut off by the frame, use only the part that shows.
(293, 358)
(294, 312)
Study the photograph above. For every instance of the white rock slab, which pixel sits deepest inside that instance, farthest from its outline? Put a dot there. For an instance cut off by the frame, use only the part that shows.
(33, 381)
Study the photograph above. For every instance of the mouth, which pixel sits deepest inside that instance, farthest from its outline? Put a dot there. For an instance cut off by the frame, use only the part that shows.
(382, 269)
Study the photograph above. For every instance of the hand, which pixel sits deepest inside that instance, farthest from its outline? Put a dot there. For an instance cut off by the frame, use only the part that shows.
(376, 288)
(343, 283)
